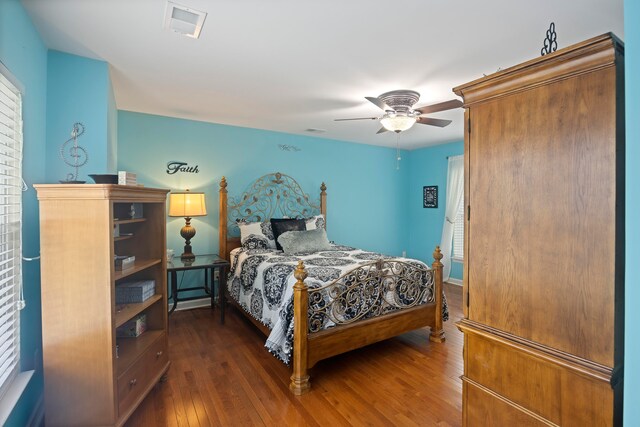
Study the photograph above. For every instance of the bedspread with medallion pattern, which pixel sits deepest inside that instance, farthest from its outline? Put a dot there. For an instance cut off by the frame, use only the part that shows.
(261, 282)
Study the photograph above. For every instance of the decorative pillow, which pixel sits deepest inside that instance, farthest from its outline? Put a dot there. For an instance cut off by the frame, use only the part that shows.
(279, 226)
(256, 235)
(315, 222)
(304, 241)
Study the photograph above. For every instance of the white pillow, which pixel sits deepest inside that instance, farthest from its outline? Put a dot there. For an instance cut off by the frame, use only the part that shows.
(256, 235)
(315, 222)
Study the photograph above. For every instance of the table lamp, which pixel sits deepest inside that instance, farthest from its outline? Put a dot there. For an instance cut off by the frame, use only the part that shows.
(187, 205)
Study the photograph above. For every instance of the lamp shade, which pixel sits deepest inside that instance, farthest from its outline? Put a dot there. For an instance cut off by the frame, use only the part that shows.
(187, 204)
(397, 122)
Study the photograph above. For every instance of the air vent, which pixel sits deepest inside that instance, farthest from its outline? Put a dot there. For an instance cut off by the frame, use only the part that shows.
(184, 20)
(314, 130)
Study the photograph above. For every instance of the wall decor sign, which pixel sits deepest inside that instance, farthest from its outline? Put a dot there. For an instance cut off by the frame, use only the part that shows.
(285, 147)
(430, 196)
(74, 155)
(175, 166)
(550, 41)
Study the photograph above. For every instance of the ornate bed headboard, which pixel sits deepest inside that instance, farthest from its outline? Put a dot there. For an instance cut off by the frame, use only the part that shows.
(275, 195)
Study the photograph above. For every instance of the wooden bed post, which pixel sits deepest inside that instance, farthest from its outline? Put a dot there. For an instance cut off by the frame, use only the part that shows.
(222, 218)
(300, 379)
(437, 331)
(323, 203)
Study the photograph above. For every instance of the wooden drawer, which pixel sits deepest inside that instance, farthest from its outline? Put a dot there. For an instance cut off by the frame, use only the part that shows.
(485, 409)
(136, 379)
(157, 356)
(548, 388)
(132, 383)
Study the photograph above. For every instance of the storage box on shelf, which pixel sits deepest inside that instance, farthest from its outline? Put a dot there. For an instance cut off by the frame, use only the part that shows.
(135, 291)
(127, 178)
(123, 262)
(92, 377)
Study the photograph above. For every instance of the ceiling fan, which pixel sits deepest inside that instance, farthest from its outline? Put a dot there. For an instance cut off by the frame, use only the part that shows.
(399, 114)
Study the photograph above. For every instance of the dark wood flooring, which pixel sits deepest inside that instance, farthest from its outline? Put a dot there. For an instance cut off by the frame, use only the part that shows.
(221, 375)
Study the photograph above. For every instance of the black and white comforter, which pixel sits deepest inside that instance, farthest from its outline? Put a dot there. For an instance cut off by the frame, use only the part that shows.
(261, 281)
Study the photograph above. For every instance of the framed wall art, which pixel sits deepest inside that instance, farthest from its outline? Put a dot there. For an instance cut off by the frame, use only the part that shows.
(430, 196)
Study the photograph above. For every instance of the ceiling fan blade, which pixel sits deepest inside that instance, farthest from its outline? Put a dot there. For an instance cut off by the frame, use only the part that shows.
(442, 106)
(433, 122)
(358, 118)
(378, 103)
(382, 130)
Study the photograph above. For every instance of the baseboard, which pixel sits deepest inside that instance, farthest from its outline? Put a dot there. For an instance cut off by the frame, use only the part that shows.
(454, 281)
(196, 303)
(37, 416)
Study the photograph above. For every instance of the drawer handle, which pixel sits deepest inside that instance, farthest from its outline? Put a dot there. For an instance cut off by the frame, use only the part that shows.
(133, 382)
(158, 354)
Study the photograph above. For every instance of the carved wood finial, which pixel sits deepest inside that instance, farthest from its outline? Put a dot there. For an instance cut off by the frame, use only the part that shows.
(300, 274)
(223, 184)
(437, 256)
(323, 187)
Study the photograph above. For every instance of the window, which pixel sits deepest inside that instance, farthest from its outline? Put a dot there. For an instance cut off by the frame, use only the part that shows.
(458, 235)
(10, 229)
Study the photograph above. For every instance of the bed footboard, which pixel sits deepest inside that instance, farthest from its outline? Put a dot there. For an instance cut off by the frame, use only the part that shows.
(371, 303)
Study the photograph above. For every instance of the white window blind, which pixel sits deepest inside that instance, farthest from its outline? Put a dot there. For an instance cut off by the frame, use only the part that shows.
(10, 230)
(458, 235)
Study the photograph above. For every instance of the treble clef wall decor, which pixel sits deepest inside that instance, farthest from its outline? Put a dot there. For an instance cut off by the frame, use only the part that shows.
(550, 42)
(74, 155)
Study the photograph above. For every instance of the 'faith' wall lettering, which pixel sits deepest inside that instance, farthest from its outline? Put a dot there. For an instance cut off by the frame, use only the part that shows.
(175, 166)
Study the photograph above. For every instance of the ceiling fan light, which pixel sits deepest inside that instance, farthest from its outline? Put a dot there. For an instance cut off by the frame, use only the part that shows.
(397, 123)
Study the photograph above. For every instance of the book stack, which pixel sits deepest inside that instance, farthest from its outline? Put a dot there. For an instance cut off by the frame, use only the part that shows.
(127, 178)
(137, 291)
(122, 262)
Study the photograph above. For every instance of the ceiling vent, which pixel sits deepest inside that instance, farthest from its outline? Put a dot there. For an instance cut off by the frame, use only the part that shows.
(184, 20)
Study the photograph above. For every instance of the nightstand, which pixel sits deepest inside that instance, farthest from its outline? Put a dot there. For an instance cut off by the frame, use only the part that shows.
(208, 263)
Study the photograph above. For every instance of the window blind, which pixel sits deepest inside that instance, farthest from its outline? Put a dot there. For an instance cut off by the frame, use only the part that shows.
(458, 234)
(10, 230)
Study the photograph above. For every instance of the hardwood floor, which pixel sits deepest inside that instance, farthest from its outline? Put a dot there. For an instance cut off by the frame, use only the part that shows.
(221, 375)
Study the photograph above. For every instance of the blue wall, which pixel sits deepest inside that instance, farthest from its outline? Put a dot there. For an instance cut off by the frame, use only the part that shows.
(112, 133)
(27, 61)
(365, 204)
(78, 90)
(632, 288)
(428, 166)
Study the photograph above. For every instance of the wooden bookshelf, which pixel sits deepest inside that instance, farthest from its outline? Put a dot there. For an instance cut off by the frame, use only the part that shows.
(91, 376)
(130, 349)
(139, 265)
(124, 312)
(128, 221)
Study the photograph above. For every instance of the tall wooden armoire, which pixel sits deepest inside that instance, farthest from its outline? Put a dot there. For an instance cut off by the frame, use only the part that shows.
(544, 240)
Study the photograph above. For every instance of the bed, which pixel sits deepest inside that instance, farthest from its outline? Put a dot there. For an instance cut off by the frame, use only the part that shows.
(312, 306)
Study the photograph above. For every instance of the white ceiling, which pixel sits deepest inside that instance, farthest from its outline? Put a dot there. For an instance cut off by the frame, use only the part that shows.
(291, 65)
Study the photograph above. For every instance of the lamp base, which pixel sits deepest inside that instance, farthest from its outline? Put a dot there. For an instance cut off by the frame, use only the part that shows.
(187, 256)
(187, 232)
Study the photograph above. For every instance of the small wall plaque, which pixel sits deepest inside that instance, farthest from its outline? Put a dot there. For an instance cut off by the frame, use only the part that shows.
(175, 166)
(430, 196)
